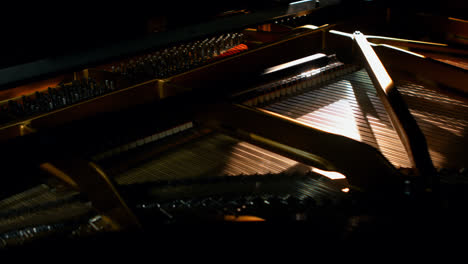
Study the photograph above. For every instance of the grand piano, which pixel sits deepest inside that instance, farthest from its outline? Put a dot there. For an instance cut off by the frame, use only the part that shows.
(347, 120)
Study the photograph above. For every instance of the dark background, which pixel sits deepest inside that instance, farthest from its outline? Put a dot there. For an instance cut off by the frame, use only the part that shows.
(33, 30)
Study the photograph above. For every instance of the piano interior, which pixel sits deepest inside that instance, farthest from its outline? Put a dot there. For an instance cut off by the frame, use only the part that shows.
(346, 119)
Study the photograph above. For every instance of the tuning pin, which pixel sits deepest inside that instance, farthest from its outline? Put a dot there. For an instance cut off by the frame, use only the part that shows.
(37, 95)
(55, 97)
(75, 93)
(154, 68)
(122, 68)
(106, 85)
(112, 87)
(27, 106)
(61, 101)
(82, 91)
(93, 90)
(67, 95)
(14, 108)
(39, 102)
(204, 52)
(50, 99)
